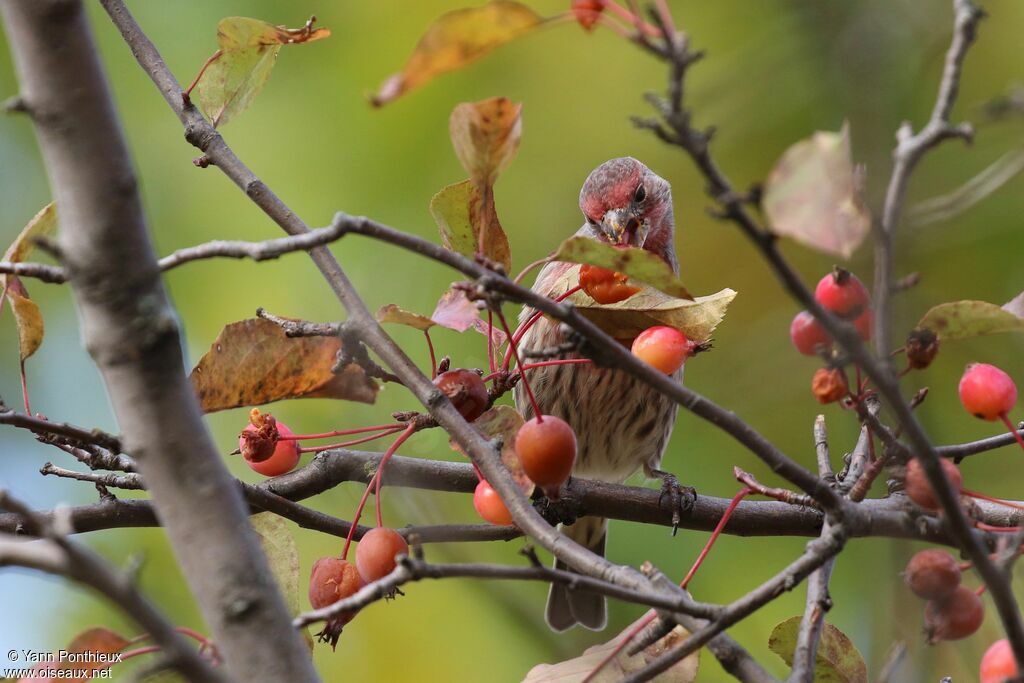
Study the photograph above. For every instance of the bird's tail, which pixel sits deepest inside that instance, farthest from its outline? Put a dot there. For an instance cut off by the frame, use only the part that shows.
(566, 607)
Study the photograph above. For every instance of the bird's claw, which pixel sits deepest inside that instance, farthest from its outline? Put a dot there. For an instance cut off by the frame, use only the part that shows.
(565, 510)
(681, 498)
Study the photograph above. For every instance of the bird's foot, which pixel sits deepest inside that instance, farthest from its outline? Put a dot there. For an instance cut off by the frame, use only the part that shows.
(681, 498)
(563, 510)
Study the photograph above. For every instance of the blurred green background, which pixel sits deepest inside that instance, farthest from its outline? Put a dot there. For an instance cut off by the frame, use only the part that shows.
(775, 71)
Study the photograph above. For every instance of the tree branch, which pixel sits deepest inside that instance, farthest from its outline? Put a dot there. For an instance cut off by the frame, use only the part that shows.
(131, 332)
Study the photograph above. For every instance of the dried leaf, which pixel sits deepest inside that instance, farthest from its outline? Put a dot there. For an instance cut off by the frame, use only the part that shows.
(648, 307)
(238, 71)
(93, 641)
(575, 670)
(838, 659)
(504, 422)
(633, 261)
(460, 211)
(486, 136)
(814, 195)
(456, 39)
(282, 553)
(963, 319)
(253, 362)
(27, 316)
(392, 313)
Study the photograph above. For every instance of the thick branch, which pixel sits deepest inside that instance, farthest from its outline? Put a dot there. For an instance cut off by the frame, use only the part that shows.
(131, 332)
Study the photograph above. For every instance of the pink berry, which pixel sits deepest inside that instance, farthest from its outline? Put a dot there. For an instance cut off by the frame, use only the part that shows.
(666, 348)
(489, 505)
(807, 334)
(998, 664)
(842, 293)
(865, 324)
(376, 552)
(987, 392)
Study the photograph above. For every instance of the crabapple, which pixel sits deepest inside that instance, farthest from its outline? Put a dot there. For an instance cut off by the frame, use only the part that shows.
(955, 616)
(987, 392)
(843, 293)
(262, 447)
(919, 489)
(466, 390)
(605, 286)
(807, 334)
(587, 12)
(546, 446)
(865, 324)
(376, 552)
(333, 579)
(829, 385)
(666, 348)
(932, 574)
(490, 506)
(998, 664)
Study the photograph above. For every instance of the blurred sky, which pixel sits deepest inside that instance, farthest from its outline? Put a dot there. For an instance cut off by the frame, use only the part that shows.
(776, 70)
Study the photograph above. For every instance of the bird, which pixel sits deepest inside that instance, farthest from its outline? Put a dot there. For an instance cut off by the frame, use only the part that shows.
(621, 423)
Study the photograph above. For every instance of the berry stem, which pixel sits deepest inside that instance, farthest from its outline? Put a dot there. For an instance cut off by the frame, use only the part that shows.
(195, 81)
(24, 389)
(624, 14)
(149, 649)
(515, 354)
(491, 364)
(525, 271)
(522, 329)
(433, 356)
(733, 504)
(346, 444)
(1002, 416)
(560, 361)
(998, 501)
(379, 477)
(999, 529)
(339, 432)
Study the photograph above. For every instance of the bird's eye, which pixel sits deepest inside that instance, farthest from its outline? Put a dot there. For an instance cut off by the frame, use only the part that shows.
(640, 194)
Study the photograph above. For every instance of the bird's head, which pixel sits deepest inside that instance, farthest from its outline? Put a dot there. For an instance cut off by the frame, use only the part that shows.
(626, 203)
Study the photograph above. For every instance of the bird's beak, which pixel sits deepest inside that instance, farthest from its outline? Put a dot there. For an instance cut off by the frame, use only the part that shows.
(623, 227)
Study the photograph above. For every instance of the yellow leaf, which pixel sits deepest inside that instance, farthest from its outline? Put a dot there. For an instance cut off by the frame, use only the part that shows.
(27, 316)
(456, 39)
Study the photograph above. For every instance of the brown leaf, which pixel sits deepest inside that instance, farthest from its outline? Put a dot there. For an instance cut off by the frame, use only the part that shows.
(93, 642)
(814, 195)
(456, 39)
(27, 316)
(461, 211)
(253, 362)
(486, 136)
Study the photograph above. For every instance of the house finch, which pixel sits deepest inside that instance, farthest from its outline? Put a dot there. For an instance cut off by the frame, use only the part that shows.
(621, 423)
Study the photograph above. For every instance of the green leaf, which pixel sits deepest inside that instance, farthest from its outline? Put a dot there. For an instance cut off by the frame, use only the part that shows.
(456, 39)
(461, 211)
(963, 319)
(237, 72)
(282, 553)
(838, 659)
(814, 195)
(27, 317)
(633, 261)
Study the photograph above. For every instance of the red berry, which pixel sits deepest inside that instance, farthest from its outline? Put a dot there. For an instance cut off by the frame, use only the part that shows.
(987, 392)
(546, 447)
(666, 348)
(956, 616)
(998, 664)
(865, 324)
(375, 554)
(490, 506)
(807, 334)
(919, 488)
(932, 574)
(466, 390)
(829, 385)
(333, 579)
(587, 12)
(605, 286)
(261, 445)
(842, 293)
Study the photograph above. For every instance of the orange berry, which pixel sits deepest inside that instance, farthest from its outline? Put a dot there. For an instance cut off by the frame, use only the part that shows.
(376, 552)
(490, 506)
(666, 348)
(605, 286)
(546, 446)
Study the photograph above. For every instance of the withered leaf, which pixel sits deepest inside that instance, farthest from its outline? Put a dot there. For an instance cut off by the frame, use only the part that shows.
(486, 136)
(27, 316)
(814, 195)
(838, 660)
(456, 39)
(253, 362)
(392, 313)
